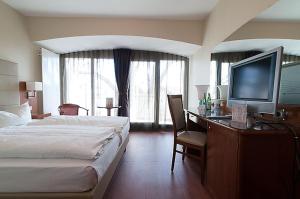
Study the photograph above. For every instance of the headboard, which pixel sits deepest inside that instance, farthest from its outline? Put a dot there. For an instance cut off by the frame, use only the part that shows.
(9, 84)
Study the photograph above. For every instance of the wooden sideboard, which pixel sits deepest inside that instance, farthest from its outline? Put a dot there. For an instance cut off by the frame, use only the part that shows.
(247, 164)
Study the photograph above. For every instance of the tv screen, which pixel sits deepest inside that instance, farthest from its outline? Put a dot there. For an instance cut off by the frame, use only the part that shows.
(254, 80)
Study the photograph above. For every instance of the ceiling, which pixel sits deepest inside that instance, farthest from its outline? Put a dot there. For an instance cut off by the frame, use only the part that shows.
(290, 46)
(169, 9)
(73, 44)
(283, 10)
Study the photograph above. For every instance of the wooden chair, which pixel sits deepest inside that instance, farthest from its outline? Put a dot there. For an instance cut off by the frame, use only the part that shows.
(188, 139)
(70, 109)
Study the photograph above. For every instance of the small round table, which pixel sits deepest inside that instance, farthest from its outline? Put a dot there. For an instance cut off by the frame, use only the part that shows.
(109, 109)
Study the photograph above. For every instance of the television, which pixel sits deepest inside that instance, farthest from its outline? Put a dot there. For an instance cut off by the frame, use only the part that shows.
(255, 81)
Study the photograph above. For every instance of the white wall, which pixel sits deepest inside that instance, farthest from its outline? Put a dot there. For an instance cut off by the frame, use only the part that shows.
(15, 44)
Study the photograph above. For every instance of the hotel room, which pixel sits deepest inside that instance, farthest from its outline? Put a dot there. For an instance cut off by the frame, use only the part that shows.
(157, 99)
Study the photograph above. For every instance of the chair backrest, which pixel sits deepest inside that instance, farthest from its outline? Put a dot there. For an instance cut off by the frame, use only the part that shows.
(177, 112)
(70, 109)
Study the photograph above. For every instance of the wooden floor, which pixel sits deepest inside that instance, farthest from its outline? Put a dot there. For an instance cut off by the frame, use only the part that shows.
(144, 171)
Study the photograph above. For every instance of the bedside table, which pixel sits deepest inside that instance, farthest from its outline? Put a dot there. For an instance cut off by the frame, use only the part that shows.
(40, 116)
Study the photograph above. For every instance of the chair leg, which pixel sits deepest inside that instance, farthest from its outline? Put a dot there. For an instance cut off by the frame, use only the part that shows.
(174, 155)
(184, 151)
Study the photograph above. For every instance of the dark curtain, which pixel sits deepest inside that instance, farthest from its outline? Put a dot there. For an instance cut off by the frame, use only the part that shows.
(122, 66)
(232, 57)
(290, 58)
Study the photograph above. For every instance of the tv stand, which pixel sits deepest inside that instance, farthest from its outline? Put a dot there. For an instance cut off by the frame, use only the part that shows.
(247, 163)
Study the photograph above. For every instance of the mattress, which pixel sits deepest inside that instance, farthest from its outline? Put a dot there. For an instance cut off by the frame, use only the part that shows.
(57, 175)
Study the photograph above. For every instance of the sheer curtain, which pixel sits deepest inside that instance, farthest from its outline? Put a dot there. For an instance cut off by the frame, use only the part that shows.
(89, 78)
(154, 75)
(172, 76)
(142, 89)
(104, 82)
(78, 80)
(213, 79)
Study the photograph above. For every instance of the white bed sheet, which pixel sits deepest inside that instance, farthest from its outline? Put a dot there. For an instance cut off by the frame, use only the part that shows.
(57, 175)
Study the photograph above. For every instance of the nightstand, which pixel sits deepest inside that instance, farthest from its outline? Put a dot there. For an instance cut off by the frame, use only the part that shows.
(40, 116)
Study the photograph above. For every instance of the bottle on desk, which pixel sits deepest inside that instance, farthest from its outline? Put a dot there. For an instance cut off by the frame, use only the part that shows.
(202, 105)
(208, 102)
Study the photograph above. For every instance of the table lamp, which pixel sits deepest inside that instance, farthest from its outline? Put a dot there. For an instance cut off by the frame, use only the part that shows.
(32, 87)
(109, 102)
(201, 90)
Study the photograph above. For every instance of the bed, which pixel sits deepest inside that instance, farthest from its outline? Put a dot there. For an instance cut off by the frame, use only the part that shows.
(73, 172)
(62, 178)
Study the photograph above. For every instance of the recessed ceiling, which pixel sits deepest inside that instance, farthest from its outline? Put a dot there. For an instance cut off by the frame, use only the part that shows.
(73, 44)
(283, 10)
(291, 47)
(171, 9)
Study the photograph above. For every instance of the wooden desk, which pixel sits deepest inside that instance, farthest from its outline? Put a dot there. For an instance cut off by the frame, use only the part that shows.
(246, 164)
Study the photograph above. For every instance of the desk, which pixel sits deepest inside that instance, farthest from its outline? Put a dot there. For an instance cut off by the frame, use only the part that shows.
(246, 163)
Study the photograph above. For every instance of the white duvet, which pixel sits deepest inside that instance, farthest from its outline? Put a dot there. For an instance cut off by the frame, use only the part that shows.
(54, 141)
(96, 121)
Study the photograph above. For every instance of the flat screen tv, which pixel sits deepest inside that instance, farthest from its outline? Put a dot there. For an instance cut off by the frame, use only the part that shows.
(255, 81)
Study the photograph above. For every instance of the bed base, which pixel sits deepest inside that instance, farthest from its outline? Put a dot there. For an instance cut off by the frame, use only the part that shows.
(96, 193)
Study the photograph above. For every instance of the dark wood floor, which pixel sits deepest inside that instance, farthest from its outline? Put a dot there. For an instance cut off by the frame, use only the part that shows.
(144, 171)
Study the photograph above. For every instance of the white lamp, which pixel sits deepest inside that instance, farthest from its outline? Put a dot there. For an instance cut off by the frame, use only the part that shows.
(32, 87)
(109, 102)
(201, 89)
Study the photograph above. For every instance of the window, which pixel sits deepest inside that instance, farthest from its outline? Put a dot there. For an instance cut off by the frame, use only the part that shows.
(148, 72)
(89, 81)
(219, 72)
(78, 82)
(224, 73)
(89, 78)
(213, 79)
(142, 91)
(171, 82)
(105, 84)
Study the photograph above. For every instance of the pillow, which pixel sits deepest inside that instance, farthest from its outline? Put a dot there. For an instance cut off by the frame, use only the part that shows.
(22, 111)
(9, 119)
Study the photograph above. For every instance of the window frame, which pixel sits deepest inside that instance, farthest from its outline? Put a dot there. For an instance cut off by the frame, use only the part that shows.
(157, 58)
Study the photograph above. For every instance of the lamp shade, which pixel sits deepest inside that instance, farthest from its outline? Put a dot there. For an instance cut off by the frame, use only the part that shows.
(34, 86)
(201, 89)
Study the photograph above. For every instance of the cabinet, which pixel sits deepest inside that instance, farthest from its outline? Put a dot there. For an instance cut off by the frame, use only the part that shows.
(249, 164)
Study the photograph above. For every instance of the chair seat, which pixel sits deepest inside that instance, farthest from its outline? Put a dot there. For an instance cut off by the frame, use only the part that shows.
(192, 137)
